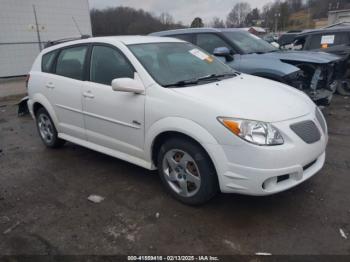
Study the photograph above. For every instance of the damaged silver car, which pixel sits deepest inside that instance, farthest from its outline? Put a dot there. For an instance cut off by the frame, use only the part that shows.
(311, 72)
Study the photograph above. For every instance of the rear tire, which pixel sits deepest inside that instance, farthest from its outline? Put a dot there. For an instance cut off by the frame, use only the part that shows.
(47, 130)
(187, 171)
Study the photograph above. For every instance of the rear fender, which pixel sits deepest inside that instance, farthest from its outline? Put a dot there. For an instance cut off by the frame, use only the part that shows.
(39, 98)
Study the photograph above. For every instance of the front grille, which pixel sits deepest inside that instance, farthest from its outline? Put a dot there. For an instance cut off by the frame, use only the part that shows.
(321, 120)
(307, 131)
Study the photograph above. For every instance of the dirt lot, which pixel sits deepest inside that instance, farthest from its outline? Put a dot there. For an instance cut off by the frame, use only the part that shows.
(44, 207)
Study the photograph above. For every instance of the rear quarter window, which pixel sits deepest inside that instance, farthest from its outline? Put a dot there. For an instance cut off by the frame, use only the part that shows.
(47, 61)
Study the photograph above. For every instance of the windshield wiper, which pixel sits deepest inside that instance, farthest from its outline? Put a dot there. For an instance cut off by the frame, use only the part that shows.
(204, 78)
(217, 76)
(182, 83)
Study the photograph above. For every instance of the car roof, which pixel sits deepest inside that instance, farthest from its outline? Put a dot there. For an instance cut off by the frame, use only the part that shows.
(126, 40)
(195, 30)
(334, 29)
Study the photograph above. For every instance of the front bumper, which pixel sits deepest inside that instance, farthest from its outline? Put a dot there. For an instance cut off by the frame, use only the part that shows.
(261, 170)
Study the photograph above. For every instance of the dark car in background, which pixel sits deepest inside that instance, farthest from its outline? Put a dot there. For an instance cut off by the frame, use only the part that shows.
(286, 40)
(334, 40)
(311, 72)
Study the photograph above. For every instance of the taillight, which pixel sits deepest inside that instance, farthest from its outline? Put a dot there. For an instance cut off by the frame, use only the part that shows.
(27, 80)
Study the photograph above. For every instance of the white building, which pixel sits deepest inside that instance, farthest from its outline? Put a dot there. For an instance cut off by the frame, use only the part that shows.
(24, 22)
(338, 16)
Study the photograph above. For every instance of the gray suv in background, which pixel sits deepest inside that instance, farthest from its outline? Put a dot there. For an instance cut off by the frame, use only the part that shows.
(312, 72)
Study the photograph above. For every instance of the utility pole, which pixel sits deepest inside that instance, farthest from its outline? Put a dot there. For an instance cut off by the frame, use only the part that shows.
(37, 28)
(277, 15)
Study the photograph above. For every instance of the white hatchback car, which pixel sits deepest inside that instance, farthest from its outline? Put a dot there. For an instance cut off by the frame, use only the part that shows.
(165, 104)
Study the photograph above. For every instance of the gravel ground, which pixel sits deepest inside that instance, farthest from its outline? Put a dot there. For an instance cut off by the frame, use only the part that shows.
(44, 207)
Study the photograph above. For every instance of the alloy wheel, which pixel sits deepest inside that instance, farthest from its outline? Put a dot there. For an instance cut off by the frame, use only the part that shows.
(181, 172)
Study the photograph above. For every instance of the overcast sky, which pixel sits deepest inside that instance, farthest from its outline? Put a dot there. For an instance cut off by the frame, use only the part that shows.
(181, 10)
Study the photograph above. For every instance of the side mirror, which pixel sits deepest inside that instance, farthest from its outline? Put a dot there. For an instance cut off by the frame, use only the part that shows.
(128, 85)
(223, 52)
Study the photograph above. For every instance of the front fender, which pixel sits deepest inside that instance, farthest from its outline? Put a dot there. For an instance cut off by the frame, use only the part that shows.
(181, 125)
(196, 132)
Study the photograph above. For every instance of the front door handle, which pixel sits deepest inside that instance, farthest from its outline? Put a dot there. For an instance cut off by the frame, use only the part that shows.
(88, 95)
(50, 85)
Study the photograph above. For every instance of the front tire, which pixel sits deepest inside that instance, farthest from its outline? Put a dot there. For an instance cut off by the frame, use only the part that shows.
(187, 171)
(47, 130)
(344, 88)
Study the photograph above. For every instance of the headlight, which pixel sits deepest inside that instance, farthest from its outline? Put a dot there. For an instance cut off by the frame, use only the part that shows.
(255, 132)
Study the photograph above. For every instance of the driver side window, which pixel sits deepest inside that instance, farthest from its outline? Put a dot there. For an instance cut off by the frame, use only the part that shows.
(209, 42)
(107, 64)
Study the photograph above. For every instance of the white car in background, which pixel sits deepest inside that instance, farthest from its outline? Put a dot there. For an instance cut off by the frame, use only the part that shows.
(165, 104)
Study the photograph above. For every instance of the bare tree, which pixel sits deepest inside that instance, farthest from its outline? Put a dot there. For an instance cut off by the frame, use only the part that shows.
(238, 14)
(166, 19)
(217, 23)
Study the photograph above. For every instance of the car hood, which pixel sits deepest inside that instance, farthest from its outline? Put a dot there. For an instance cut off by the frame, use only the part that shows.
(250, 97)
(303, 56)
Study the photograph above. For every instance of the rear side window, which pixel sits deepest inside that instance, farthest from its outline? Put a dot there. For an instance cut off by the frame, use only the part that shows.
(47, 61)
(209, 42)
(184, 37)
(107, 64)
(328, 40)
(70, 62)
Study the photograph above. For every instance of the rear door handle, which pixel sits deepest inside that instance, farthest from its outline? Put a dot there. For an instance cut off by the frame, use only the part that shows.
(50, 85)
(88, 95)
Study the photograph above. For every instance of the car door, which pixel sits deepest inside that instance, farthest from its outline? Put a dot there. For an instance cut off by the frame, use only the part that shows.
(66, 87)
(210, 41)
(113, 119)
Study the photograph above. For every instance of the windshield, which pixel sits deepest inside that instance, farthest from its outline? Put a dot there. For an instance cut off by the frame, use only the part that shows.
(250, 43)
(179, 64)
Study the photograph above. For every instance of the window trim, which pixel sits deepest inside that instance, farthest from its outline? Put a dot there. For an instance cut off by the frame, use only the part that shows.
(87, 68)
(68, 47)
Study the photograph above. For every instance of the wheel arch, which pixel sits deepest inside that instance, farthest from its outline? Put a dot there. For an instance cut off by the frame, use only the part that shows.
(162, 137)
(177, 127)
(39, 101)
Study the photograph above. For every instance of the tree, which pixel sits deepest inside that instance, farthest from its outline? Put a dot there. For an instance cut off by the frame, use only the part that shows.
(197, 22)
(126, 21)
(295, 5)
(217, 23)
(238, 14)
(320, 9)
(166, 19)
(253, 17)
